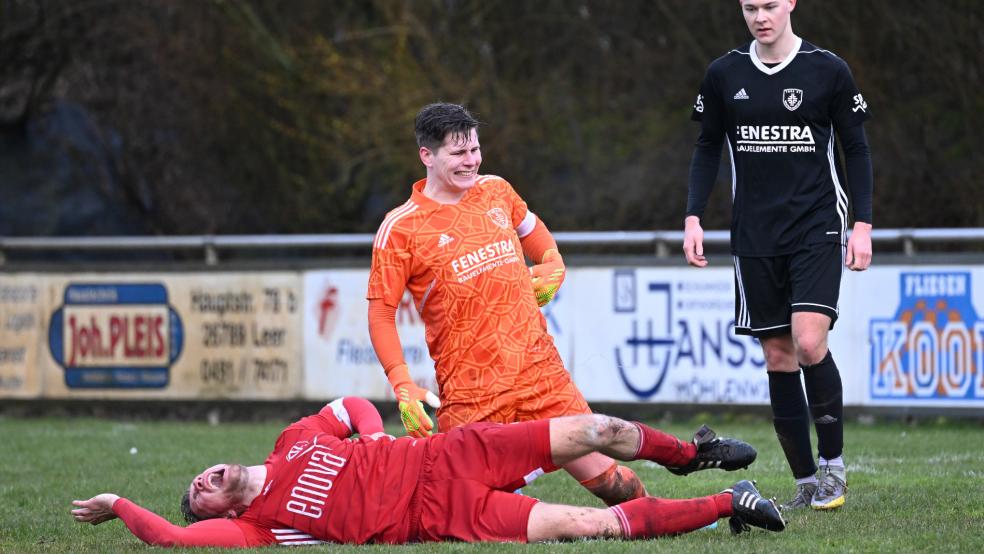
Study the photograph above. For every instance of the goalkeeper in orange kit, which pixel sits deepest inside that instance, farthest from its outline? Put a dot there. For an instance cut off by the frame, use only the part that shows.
(458, 245)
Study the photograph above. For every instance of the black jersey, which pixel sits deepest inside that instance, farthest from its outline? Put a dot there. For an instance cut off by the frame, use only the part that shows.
(780, 124)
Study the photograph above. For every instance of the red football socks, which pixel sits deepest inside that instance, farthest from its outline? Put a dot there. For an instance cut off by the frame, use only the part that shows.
(650, 517)
(723, 501)
(663, 449)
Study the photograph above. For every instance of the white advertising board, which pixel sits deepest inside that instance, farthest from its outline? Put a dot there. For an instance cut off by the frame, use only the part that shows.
(908, 336)
(662, 335)
(338, 355)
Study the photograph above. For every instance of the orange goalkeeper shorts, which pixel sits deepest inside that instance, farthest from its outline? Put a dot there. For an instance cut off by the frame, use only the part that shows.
(543, 390)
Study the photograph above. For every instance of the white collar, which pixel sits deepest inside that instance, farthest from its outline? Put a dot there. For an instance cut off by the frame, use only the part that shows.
(773, 70)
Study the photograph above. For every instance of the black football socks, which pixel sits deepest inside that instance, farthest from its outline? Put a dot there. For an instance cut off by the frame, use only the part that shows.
(791, 419)
(826, 397)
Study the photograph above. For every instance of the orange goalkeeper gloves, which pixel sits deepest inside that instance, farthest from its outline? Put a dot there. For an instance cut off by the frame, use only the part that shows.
(548, 276)
(409, 396)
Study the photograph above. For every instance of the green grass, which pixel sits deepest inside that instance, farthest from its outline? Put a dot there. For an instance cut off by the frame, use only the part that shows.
(913, 487)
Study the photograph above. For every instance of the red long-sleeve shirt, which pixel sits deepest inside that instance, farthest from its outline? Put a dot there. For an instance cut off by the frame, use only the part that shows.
(320, 486)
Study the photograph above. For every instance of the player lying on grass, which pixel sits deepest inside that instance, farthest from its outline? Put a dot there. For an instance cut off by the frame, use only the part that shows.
(321, 485)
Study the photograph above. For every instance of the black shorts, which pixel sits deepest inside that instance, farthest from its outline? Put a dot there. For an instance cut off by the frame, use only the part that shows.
(768, 290)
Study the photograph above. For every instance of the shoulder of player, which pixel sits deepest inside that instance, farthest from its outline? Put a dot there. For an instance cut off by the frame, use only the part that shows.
(402, 219)
(734, 56)
(490, 187)
(820, 56)
(401, 211)
(491, 182)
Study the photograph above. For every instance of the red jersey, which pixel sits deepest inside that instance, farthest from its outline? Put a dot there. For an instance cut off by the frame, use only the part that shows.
(324, 486)
(463, 264)
(320, 486)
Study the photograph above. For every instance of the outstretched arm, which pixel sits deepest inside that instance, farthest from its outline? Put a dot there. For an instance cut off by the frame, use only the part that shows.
(155, 530)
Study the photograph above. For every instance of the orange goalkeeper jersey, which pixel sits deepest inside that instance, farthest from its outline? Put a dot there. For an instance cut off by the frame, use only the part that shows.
(463, 264)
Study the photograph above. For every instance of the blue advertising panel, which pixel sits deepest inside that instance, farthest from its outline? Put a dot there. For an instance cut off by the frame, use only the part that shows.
(111, 336)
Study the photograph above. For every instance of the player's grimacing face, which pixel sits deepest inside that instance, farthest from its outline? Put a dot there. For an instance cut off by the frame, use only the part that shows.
(455, 163)
(767, 20)
(216, 491)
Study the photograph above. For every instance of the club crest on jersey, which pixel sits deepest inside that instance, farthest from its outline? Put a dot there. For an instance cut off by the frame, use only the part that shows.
(792, 98)
(295, 450)
(499, 217)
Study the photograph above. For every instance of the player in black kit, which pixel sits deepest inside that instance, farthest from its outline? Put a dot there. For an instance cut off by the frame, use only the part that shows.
(778, 103)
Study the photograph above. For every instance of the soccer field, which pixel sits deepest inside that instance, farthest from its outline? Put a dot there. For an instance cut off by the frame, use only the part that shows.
(913, 487)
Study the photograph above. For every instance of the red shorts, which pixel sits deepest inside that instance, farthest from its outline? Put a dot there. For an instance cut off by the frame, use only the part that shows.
(462, 494)
(543, 390)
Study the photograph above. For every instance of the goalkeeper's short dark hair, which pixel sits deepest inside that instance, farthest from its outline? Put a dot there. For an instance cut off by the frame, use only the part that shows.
(435, 121)
(190, 516)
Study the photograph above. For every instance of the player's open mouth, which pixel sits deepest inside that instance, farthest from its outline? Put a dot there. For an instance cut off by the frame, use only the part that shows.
(215, 479)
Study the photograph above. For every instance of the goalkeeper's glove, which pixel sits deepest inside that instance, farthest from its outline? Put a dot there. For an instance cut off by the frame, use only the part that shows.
(415, 420)
(547, 276)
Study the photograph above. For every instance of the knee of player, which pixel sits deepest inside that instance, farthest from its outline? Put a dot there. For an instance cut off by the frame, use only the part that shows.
(605, 430)
(810, 347)
(778, 359)
(588, 430)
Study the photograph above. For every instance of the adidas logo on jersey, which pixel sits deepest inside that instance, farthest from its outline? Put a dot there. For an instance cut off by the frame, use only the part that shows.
(444, 240)
(741, 95)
